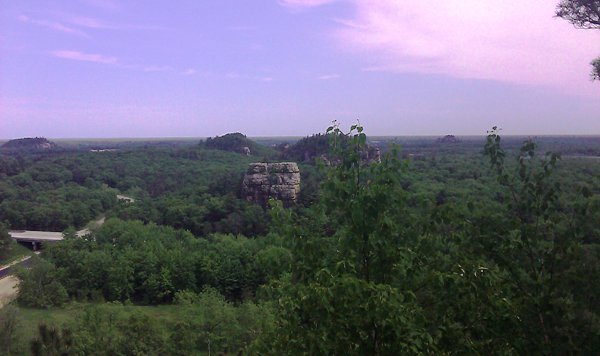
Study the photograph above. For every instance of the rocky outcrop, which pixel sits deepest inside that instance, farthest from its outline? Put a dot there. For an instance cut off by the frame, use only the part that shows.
(264, 181)
(448, 139)
(29, 144)
(232, 142)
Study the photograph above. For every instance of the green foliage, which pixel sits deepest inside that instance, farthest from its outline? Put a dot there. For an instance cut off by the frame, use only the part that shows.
(149, 264)
(7, 243)
(307, 148)
(452, 277)
(192, 188)
(142, 336)
(238, 143)
(537, 247)
(364, 200)
(52, 342)
(211, 323)
(196, 321)
(40, 285)
(435, 254)
(344, 314)
(8, 327)
(340, 298)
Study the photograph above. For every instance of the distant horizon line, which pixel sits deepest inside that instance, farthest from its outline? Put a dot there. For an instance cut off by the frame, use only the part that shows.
(189, 138)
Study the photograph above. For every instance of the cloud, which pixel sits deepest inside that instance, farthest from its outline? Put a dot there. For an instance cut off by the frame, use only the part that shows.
(57, 26)
(89, 22)
(304, 3)
(102, 59)
(96, 24)
(512, 41)
(328, 77)
(86, 57)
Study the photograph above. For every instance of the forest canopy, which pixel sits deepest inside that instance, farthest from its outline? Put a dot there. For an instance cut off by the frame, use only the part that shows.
(448, 251)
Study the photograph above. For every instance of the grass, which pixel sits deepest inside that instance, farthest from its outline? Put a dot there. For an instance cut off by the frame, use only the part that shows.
(30, 318)
(16, 253)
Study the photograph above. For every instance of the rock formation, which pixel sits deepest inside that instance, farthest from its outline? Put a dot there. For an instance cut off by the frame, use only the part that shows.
(29, 144)
(317, 146)
(232, 142)
(264, 181)
(448, 139)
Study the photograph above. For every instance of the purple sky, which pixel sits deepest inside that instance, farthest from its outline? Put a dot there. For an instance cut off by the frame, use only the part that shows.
(110, 68)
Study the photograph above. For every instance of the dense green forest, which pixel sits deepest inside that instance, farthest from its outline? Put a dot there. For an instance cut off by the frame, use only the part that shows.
(483, 246)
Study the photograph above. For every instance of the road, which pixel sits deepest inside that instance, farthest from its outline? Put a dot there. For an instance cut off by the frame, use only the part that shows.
(8, 290)
(8, 283)
(53, 236)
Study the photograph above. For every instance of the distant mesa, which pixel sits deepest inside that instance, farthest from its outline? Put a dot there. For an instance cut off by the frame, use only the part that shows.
(232, 142)
(448, 139)
(309, 148)
(29, 144)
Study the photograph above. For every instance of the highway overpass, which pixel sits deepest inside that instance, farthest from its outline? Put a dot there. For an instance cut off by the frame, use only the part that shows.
(36, 238)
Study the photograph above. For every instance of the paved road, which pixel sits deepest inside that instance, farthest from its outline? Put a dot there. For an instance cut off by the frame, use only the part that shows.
(52, 236)
(7, 270)
(92, 225)
(8, 283)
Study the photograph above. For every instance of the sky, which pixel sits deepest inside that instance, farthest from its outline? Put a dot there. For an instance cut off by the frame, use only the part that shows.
(188, 68)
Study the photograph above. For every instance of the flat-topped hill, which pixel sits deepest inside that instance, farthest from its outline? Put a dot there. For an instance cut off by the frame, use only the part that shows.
(29, 144)
(237, 142)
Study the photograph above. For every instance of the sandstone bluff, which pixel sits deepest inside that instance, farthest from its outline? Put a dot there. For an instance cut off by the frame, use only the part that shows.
(264, 181)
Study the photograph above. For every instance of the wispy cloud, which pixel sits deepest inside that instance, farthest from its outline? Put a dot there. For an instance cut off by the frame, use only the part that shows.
(512, 41)
(89, 22)
(98, 24)
(328, 76)
(85, 57)
(113, 61)
(57, 26)
(305, 3)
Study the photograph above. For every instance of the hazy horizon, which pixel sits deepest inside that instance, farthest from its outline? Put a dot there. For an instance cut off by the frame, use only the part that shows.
(109, 68)
(293, 137)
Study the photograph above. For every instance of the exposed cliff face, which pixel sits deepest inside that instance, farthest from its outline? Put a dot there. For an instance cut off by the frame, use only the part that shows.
(279, 181)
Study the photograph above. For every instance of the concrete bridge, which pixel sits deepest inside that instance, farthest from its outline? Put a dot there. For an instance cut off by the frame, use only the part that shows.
(36, 238)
